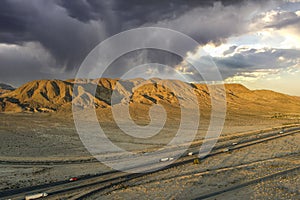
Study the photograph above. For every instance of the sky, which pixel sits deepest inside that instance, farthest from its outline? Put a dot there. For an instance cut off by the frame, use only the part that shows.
(252, 42)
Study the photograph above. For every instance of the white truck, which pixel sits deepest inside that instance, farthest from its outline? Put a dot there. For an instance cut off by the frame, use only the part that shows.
(36, 196)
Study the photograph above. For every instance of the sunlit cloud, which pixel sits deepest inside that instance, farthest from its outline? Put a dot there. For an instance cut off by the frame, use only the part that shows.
(243, 77)
(184, 70)
(266, 54)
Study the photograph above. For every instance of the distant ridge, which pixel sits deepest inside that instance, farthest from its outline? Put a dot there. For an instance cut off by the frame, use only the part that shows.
(56, 96)
(5, 88)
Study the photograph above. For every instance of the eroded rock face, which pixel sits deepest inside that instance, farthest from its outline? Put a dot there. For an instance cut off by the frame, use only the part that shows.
(56, 95)
(6, 105)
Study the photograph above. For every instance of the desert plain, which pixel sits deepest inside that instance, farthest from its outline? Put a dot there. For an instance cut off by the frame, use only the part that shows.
(40, 144)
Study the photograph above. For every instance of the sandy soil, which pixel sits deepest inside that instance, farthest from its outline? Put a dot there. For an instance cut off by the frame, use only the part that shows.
(44, 137)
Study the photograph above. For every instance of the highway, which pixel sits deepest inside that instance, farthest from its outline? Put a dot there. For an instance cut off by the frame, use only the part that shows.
(91, 184)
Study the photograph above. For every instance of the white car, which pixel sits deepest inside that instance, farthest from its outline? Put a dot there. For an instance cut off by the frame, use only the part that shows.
(166, 159)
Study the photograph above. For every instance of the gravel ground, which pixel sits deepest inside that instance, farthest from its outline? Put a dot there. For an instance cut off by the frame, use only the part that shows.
(38, 137)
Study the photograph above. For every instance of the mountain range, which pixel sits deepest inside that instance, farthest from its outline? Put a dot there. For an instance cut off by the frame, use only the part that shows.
(56, 95)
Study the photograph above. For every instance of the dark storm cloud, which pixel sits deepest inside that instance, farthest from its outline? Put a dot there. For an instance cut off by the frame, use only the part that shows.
(140, 57)
(257, 59)
(45, 22)
(246, 61)
(21, 64)
(295, 21)
(230, 50)
(68, 30)
(283, 16)
(135, 11)
(19, 18)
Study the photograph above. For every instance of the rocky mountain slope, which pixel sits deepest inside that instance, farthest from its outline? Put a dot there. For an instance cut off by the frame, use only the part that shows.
(56, 95)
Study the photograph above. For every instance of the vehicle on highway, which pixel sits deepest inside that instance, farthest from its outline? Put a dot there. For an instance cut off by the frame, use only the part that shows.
(166, 159)
(36, 196)
(73, 179)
